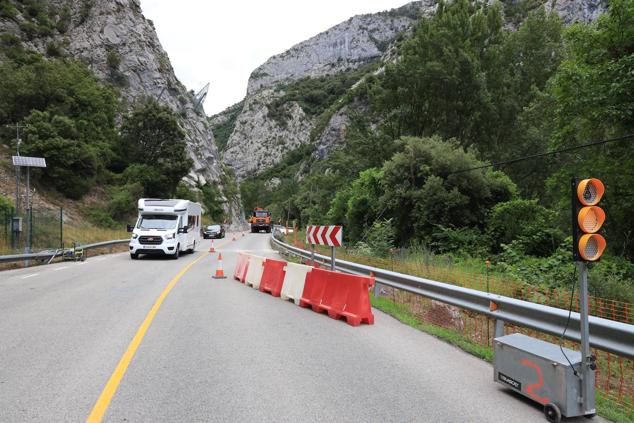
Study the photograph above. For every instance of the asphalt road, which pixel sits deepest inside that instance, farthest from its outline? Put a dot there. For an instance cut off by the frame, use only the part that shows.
(218, 351)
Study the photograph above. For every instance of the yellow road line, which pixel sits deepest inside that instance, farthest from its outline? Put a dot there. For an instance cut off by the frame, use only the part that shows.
(113, 383)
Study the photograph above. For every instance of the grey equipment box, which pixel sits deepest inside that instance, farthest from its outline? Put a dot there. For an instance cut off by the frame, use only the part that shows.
(539, 371)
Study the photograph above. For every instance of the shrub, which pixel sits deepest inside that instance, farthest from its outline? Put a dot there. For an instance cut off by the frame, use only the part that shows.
(6, 206)
(525, 222)
(379, 239)
(123, 200)
(113, 60)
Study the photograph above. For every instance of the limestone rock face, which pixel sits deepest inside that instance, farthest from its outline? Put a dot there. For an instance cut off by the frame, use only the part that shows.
(117, 28)
(334, 135)
(571, 11)
(258, 141)
(342, 47)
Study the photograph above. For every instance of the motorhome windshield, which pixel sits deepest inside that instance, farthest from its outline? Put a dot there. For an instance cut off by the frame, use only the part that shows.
(157, 221)
(261, 214)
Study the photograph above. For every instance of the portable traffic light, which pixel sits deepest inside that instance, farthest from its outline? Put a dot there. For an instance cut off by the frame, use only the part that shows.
(587, 220)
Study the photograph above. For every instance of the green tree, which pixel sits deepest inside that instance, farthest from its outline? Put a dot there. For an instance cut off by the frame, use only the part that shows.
(364, 203)
(439, 85)
(212, 200)
(72, 163)
(424, 188)
(151, 137)
(590, 98)
(533, 227)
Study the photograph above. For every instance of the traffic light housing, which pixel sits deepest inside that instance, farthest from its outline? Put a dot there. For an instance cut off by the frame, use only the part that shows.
(587, 220)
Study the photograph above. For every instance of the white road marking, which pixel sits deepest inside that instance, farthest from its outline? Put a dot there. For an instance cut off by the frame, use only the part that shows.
(29, 276)
(60, 268)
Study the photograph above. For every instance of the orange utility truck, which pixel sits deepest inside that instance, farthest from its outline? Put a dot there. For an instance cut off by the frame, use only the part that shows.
(260, 219)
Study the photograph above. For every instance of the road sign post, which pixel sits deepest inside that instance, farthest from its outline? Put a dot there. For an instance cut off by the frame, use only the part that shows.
(325, 235)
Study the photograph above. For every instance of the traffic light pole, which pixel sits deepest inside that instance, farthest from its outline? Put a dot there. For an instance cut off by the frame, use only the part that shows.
(587, 362)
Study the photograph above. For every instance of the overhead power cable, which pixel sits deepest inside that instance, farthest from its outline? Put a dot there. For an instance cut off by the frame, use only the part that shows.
(547, 153)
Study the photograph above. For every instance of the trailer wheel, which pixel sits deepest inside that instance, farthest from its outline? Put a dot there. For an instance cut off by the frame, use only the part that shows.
(552, 413)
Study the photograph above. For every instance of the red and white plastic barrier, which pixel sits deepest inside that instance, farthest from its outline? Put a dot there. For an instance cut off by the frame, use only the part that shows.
(294, 280)
(254, 271)
(273, 277)
(341, 295)
(240, 272)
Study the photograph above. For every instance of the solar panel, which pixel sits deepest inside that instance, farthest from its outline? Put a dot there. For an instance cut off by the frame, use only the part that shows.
(29, 161)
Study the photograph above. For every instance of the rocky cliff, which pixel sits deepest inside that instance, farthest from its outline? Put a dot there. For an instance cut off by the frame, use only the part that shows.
(341, 48)
(260, 140)
(121, 46)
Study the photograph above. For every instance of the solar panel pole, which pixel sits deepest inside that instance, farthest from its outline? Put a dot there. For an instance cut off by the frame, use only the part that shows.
(29, 226)
(17, 190)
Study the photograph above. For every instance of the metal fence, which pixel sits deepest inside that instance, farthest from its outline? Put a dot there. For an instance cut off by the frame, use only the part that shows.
(31, 230)
(468, 312)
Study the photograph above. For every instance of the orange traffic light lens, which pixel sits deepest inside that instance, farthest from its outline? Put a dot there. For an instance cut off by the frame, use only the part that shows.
(591, 247)
(590, 191)
(591, 219)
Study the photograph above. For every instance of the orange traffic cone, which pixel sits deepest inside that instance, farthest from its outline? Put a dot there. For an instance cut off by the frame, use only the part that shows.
(212, 249)
(220, 274)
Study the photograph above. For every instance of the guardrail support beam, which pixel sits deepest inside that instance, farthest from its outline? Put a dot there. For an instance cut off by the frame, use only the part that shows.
(499, 328)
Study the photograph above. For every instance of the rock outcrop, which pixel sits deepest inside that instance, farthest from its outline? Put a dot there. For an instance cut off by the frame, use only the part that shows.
(571, 11)
(121, 46)
(258, 140)
(341, 48)
(258, 143)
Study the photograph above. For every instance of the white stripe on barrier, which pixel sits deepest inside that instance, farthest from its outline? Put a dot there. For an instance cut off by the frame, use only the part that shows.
(294, 281)
(254, 272)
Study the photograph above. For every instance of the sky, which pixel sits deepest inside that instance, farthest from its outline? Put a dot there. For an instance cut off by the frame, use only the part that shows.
(222, 42)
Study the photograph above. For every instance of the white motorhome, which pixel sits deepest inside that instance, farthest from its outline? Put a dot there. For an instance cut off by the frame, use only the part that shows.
(165, 227)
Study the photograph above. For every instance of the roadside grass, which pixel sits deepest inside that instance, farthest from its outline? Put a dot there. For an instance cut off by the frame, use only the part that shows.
(401, 313)
(613, 411)
(606, 407)
(87, 234)
(82, 234)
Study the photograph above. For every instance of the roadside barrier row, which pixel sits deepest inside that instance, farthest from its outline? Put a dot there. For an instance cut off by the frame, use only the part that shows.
(341, 295)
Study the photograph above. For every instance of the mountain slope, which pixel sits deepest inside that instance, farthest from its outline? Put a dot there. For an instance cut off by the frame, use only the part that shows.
(122, 48)
(272, 122)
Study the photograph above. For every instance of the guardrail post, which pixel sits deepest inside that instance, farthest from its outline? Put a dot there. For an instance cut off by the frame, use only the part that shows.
(499, 328)
(312, 255)
(332, 259)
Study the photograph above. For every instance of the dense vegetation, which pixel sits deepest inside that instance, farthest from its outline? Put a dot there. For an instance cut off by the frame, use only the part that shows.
(71, 118)
(467, 92)
(223, 127)
(314, 95)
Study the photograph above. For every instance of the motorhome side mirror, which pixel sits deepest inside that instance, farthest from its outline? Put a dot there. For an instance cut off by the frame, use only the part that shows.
(183, 230)
(130, 228)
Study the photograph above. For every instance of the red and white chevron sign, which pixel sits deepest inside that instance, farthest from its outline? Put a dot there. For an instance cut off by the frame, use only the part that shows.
(324, 235)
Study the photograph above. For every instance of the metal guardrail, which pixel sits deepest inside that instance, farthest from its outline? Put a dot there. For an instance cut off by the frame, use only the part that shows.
(607, 335)
(50, 255)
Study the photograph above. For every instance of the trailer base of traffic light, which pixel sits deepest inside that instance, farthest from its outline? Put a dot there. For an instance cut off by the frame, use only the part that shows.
(540, 371)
